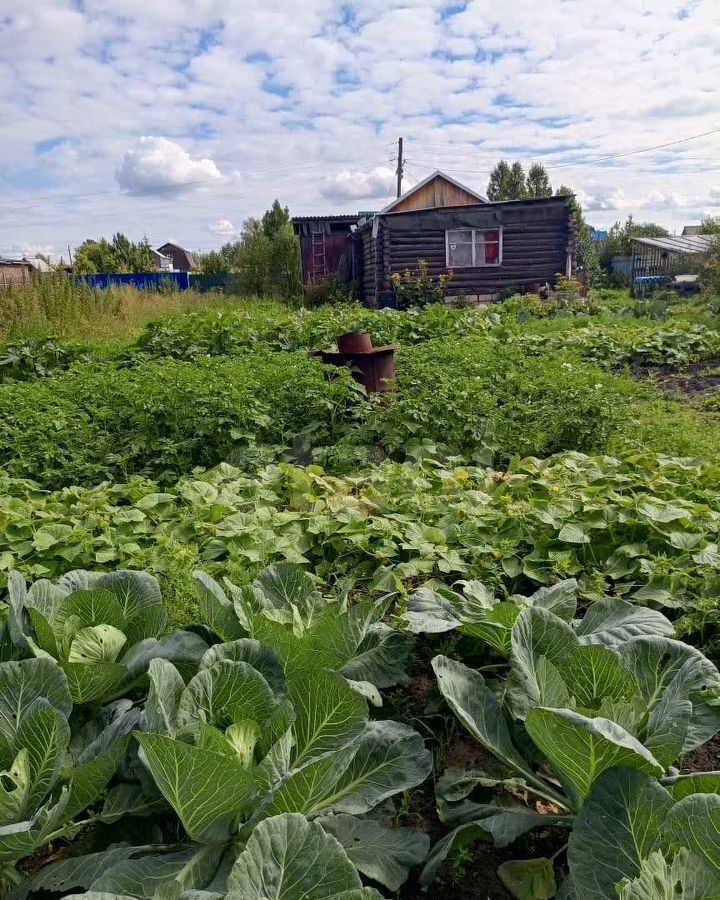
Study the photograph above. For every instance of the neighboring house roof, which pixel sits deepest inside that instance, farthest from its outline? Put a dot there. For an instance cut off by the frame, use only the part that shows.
(691, 229)
(421, 184)
(698, 243)
(39, 264)
(170, 249)
(4, 261)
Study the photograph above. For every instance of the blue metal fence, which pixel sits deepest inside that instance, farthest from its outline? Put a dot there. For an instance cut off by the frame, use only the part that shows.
(144, 281)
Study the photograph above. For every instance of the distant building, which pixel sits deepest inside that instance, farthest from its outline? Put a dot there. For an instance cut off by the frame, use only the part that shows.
(654, 257)
(599, 236)
(38, 264)
(15, 271)
(182, 259)
(491, 248)
(691, 230)
(162, 263)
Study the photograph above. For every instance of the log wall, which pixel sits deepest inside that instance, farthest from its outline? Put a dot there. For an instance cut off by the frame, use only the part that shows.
(537, 235)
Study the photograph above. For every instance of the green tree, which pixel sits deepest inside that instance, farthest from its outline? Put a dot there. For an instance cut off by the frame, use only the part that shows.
(275, 219)
(710, 226)
(620, 234)
(212, 263)
(267, 257)
(516, 183)
(497, 188)
(118, 256)
(538, 182)
(507, 182)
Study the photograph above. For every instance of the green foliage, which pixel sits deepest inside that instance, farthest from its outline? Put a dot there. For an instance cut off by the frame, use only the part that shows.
(538, 182)
(419, 288)
(163, 418)
(620, 234)
(710, 226)
(29, 359)
(508, 182)
(103, 630)
(475, 397)
(609, 693)
(116, 256)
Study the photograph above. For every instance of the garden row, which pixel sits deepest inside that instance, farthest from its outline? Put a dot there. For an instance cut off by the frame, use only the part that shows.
(250, 757)
(641, 526)
(162, 418)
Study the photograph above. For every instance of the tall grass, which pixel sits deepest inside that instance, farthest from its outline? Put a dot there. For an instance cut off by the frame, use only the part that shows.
(56, 305)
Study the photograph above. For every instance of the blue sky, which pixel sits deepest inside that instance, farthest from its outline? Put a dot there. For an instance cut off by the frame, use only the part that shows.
(181, 120)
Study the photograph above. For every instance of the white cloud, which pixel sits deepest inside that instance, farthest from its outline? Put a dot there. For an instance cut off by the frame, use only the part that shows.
(349, 184)
(223, 228)
(304, 100)
(155, 164)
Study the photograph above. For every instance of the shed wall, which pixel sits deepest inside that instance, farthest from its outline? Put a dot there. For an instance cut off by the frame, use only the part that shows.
(536, 238)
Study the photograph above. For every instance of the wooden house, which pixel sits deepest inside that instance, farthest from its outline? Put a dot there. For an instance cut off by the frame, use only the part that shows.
(182, 259)
(326, 248)
(515, 245)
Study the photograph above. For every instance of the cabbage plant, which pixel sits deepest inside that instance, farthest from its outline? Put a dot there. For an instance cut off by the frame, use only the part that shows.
(245, 741)
(51, 771)
(102, 629)
(285, 858)
(640, 839)
(284, 610)
(579, 699)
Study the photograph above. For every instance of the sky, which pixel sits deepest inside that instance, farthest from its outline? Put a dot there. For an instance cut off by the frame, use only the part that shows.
(180, 120)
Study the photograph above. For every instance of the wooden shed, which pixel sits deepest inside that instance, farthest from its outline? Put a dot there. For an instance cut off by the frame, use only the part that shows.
(513, 245)
(325, 247)
(15, 272)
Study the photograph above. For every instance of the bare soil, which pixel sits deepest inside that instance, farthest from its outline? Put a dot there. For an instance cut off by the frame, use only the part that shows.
(695, 380)
(705, 758)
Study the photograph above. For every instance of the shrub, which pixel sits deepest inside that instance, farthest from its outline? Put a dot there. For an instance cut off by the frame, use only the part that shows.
(162, 419)
(419, 288)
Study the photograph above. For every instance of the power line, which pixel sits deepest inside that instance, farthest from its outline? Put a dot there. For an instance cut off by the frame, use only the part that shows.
(178, 205)
(607, 157)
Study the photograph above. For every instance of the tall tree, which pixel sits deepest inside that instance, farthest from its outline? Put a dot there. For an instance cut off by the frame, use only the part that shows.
(498, 184)
(516, 182)
(506, 182)
(275, 219)
(538, 182)
(710, 226)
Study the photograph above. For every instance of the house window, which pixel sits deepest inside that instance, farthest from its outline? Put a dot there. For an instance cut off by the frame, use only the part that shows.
(466, 247)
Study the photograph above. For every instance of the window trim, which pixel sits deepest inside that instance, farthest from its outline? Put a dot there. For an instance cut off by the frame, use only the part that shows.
(474, 264)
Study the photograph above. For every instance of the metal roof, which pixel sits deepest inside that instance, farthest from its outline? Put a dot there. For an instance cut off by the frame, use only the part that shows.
(436, 174)
(340, 217)
(695, 243)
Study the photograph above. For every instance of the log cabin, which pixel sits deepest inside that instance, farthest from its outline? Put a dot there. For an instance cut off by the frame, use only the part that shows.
(491, 248)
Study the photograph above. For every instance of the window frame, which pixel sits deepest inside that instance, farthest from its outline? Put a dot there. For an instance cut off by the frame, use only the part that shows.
(473, 245)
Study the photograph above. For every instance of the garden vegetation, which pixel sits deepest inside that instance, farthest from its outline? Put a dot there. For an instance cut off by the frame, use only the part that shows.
(266, 636)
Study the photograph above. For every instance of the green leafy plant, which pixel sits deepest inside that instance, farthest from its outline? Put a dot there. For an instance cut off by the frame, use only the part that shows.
(611, 691)
(419, 288)
(640, 838)
(103, 630)
(53, 767)
(284, 610)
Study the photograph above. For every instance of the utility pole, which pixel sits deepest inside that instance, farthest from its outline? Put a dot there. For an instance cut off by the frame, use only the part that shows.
(399, 166)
